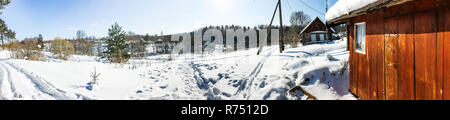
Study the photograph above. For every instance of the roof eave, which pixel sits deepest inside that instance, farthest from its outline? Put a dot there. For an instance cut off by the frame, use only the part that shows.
(367, 9)
(317, 18)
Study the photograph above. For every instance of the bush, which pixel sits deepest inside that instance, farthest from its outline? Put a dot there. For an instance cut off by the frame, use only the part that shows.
(27, 49)
(32, 50)
(17, 50)
(292, 37)
(62, 48)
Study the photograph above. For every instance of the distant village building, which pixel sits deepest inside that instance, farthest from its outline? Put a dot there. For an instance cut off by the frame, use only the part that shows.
(314, 32)
(159, 46)
(399, 49)
(164, 46)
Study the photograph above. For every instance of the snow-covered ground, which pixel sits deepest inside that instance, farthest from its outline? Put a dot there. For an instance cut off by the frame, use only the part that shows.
(241, 75)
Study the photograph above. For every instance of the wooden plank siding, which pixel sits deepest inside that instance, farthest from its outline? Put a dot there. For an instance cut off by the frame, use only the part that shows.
(352, 61)
(391, 50)
(425, 49)
(359, 77)
(407, 53)
(444, 14)
(372, 56)
(362, 82)
(379, 61)
(441, 8)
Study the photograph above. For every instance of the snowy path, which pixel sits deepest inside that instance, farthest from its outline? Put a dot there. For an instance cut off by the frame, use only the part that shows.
(17, 84)
(249, 82)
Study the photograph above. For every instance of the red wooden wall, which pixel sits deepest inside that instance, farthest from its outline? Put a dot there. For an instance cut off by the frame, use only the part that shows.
(407, 53)
(444, 35)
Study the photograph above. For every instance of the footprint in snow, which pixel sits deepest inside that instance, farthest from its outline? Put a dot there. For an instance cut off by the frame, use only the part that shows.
(163, 86)
(139, 91)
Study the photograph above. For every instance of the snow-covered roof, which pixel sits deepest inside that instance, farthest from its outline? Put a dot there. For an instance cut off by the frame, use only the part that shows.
(310, 24)
(344, 7)
(319, 32)
(332, 30)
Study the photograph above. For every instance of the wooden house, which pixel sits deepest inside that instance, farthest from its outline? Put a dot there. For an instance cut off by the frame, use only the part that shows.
(160, 46)
(314, 32)
(164, 45)
(399, 49)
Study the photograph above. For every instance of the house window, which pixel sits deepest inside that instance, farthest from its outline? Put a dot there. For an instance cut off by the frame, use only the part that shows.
(313, 37)
(360, 38)
(322, 37)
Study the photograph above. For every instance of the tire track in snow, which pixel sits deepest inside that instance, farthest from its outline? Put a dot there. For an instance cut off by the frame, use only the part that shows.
(20, 86)
(5, 86)
(39, 88)
(10, 86)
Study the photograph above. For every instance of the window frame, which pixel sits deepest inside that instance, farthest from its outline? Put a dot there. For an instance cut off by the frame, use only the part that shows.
(321, 37)
(313, 37)
(356, 38)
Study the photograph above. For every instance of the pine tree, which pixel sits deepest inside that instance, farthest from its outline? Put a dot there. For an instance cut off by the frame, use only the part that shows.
(117, 49)
(95, 76)
(40, 42)
(3, 3)
(10, 35)
(3, 28)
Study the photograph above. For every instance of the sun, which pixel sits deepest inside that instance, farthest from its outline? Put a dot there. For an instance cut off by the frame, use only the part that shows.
(224, 2)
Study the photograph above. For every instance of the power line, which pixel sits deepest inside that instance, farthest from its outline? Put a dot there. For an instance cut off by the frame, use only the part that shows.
(289, 4)
(301, 1)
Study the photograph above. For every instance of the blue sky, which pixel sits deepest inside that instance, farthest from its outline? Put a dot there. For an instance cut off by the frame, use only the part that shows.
(62, 18)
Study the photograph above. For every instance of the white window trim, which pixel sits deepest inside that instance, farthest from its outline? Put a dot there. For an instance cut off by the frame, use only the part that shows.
(365, 39)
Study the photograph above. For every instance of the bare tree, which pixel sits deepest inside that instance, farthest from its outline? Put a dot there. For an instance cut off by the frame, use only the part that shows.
(83, 46)
(62, 48)
(300, 19)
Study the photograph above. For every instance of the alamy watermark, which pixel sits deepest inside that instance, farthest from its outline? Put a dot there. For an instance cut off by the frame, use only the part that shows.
(213, 40)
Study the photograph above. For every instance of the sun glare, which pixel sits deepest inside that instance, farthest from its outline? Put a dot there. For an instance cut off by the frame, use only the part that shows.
(223, 4)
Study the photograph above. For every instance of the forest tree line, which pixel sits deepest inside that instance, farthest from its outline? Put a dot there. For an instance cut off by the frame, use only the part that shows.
(120, 45)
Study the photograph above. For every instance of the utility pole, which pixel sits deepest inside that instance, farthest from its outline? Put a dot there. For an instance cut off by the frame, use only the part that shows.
(326, 23)
(281, 28)
(269, 27)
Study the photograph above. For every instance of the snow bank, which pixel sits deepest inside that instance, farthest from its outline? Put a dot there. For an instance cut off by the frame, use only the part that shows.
(4, 54)
(326, 82)
(344, 7)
